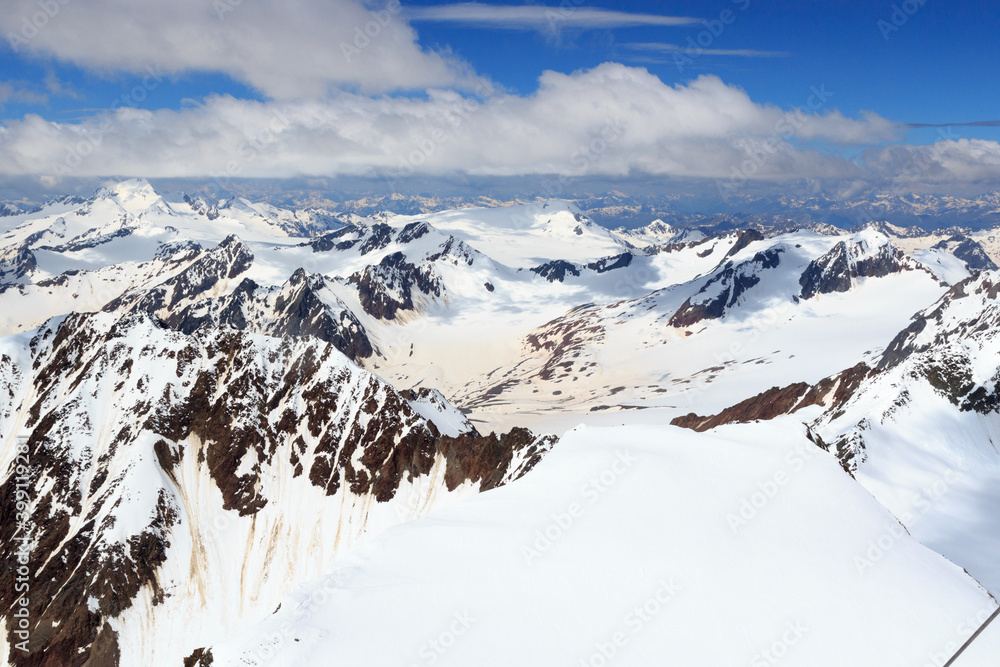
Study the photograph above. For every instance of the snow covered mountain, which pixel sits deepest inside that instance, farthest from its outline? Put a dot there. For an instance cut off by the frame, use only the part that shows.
(919, 425)
(228, 410)
(184, 483)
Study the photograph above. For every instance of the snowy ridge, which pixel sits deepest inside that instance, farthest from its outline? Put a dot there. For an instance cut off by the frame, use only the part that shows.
(146, 443)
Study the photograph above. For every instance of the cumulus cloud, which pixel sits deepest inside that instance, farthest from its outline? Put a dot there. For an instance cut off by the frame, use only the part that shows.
(612, 120)
(292, 49)
(942, 163)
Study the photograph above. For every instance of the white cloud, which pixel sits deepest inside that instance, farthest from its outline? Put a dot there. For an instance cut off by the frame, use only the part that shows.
(943, 163)
(292, 49)
(18, 92)
(539, 17)
(612, 120)
(661, 50)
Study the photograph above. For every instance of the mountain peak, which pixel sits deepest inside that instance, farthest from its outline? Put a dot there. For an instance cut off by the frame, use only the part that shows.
(135, 195)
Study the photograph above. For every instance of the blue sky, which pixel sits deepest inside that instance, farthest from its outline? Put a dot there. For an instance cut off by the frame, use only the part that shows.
(884, 64)
(933, 69)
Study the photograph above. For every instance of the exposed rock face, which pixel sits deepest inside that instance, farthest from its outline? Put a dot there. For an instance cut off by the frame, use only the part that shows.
(838, 269)
(207, 276)
(390, 286)
(126, 415)
(342, 239)
(942, 321)
(745, 238)
(777, 401)
(725, 289)
(556, 270)
(950, 348)
(611, 263)
(969, 251)
(16, 263)
(303, 306)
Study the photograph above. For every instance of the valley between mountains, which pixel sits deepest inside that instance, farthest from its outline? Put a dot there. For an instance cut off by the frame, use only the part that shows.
(255, 435)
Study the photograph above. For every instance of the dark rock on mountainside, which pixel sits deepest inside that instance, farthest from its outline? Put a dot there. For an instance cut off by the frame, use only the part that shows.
(556, 270)
(908, 342)
(776, 401)
(725, 289)
(745, 238)
(969, 251)
(390, 286)
(611, 263)
(300, 307)
(239, 407)
(837, 270)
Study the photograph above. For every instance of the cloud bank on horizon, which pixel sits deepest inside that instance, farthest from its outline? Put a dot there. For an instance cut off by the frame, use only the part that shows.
(347, 89)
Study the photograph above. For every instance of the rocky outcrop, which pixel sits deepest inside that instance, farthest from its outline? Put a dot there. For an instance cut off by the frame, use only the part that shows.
(940, 322)
(847, 261)
(611, 263)
(391, 285)
(967, 250)
(303, 306)
(725, 289)
(745, 238)
(556, 270)
(776, 401)
(203, 278)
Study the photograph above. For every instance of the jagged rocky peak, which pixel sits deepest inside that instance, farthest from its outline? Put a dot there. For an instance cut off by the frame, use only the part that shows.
(968, 250)
(207, 275)
(16, 264)
(205, 448)
(394, 285)
(303, 306)
(431, 404)
(892, 231)
(969, 309)
(200, 206)
(951, 350)
(7, 209)
(744, 239)
(866, 254)
(556, 270)
(726, 288)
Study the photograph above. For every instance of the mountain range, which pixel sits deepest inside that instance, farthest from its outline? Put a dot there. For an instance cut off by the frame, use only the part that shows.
(519, 433)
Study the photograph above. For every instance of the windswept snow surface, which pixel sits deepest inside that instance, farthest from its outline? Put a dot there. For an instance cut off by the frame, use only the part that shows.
(641, 545)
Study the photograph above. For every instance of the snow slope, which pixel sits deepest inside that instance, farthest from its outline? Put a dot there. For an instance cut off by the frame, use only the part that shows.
(624, 547)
